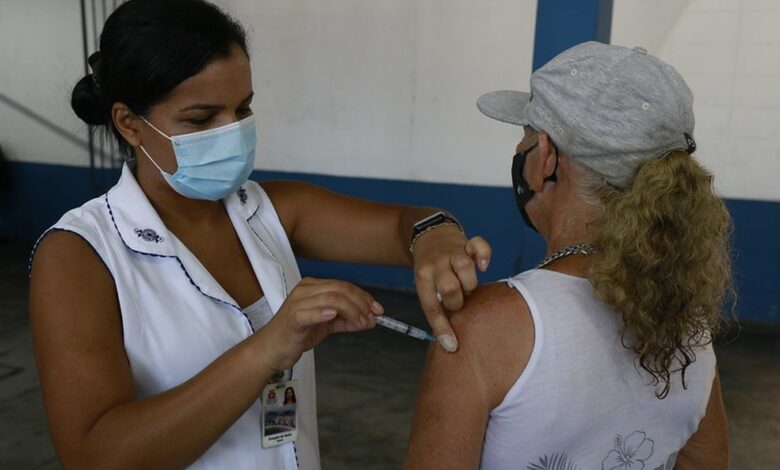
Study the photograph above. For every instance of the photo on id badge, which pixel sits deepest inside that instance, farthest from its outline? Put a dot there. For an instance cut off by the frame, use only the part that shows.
(280, 419)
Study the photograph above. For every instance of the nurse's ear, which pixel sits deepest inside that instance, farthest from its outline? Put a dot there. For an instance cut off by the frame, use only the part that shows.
(126, 123)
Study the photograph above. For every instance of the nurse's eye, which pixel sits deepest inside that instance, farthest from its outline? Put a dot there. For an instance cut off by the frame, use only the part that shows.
(244, 112)
(200, 122)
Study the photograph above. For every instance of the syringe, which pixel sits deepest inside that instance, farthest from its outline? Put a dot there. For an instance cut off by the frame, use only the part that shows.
(403, 328)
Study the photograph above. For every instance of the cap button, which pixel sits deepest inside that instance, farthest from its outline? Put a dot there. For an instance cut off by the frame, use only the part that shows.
(640, 50)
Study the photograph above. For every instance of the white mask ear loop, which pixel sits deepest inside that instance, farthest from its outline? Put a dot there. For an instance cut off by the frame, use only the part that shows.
(150, 158)
(144, 150)
(158, 130)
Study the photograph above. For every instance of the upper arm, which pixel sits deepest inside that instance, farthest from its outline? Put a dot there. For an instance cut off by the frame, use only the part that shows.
(708, 447)
(77, 339)
(458, 390)
(325, 225)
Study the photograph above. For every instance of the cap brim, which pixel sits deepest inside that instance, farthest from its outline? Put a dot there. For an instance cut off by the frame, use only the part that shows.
(505, 106)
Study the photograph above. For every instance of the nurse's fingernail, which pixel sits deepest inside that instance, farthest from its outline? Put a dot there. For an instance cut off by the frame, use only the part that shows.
(449, 343)
(439, 297)
(377, 308)
(483, 264)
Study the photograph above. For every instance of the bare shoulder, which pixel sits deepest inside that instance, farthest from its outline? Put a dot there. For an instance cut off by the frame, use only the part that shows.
(72, 294)
(496, 330)
(70, 286)
(288, 197)
(489, 303)
(61, 251)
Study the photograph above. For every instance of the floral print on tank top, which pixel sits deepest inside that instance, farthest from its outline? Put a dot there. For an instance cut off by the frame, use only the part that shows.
(629, 453)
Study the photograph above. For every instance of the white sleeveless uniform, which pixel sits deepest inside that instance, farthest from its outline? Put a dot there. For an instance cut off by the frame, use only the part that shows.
(177, 319)
(582, 401)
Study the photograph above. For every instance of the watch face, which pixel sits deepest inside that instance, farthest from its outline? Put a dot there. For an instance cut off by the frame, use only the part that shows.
(430, 221)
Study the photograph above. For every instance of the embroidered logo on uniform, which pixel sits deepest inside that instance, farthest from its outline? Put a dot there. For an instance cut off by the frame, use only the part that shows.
(148, 235)
(242, 195)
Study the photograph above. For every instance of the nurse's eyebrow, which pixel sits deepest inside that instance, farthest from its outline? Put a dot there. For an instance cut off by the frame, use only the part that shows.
(209, 107)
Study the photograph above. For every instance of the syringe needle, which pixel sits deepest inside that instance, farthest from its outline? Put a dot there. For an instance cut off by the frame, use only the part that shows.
(403, 328)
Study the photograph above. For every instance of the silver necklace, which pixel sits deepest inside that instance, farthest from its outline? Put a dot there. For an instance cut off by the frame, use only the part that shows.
(579, 249)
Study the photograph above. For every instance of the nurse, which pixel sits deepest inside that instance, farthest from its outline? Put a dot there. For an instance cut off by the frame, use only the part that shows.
(166, 312)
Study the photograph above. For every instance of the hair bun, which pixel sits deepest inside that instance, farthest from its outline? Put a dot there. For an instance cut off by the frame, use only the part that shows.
(88, 102)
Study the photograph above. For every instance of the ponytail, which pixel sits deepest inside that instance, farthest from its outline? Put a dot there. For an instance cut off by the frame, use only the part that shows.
(665, 262)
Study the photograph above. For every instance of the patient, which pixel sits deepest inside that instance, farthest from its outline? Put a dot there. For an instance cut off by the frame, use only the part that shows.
(600, 358)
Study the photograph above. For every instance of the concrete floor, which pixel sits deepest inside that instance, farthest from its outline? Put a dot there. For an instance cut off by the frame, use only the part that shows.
(366, 386)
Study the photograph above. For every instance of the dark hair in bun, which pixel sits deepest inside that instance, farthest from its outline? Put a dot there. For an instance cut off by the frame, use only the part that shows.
(147, 48)
(89, 103)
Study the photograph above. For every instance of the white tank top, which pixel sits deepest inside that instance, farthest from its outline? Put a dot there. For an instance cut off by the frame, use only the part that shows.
(177, 319)
(582, 401)
(259, 313)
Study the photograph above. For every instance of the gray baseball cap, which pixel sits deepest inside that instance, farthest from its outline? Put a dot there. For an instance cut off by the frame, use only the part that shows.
(608, 107)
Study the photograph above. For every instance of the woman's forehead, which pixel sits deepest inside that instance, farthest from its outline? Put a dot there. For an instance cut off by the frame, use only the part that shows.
(223, 80)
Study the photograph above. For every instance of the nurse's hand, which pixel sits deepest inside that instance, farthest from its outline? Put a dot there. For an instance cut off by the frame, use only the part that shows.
(314, 309)
(445, 270)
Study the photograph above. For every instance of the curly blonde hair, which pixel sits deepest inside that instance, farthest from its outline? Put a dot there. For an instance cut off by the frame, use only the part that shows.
(665, 261)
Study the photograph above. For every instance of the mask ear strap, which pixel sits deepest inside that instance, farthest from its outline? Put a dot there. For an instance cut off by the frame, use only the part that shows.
(144, 150)
(158, 130)
(150, 158)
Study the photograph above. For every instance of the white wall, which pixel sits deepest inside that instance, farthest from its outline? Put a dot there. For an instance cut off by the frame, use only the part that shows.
(40, 61)
(386, 89)
(369, 88)
(729, 53)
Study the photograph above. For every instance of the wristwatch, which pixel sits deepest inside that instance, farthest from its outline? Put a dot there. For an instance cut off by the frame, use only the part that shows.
(431, 222)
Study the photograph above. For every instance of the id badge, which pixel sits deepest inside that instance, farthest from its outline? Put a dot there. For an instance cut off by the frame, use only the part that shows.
(280, 417)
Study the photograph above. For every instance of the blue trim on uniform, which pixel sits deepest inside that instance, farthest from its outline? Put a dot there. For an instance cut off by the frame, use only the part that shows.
(483, 210)
(561, 24)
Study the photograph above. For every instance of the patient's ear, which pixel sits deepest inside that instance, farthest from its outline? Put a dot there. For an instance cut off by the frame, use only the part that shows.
(542, 165)
(549, 154)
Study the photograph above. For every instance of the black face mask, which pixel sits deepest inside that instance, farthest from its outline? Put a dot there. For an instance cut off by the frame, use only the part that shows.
(523, 192)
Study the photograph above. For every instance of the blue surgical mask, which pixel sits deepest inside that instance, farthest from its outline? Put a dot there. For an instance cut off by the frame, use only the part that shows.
(213, 163)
